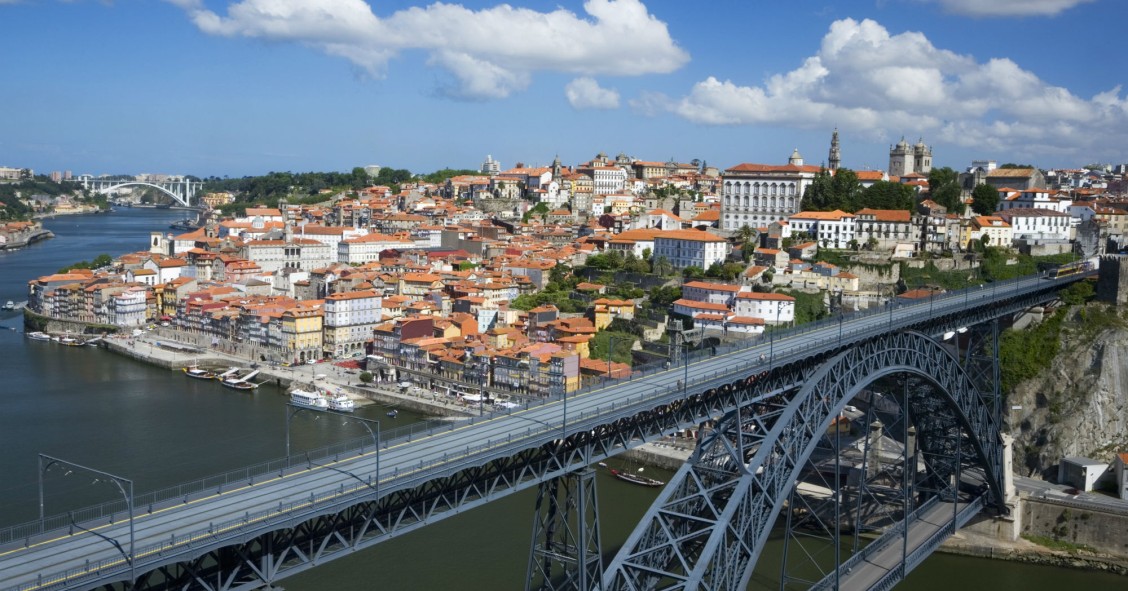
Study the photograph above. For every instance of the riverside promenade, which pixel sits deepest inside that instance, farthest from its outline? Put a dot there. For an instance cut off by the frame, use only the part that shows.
(164, 349)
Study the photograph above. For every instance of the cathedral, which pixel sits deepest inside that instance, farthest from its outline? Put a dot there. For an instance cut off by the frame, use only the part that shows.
(905, 160)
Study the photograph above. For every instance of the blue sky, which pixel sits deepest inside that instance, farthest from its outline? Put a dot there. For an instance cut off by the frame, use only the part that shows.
(212, 87)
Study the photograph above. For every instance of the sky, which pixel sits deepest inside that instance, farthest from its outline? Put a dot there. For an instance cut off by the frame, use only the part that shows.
(235, 88)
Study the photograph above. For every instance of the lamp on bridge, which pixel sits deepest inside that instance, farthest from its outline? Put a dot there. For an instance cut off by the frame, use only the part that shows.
(293, 409)
(47, 462)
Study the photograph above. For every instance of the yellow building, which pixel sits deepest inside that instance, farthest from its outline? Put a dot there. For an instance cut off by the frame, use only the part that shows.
(302, 333)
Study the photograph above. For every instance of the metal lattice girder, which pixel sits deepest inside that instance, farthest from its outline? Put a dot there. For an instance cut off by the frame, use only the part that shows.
(709, 526)
(566, 553)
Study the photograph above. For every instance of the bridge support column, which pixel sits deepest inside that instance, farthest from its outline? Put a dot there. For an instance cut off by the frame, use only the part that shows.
(566, 553)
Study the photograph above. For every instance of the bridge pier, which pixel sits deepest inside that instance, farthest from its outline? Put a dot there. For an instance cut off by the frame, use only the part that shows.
(566, 553)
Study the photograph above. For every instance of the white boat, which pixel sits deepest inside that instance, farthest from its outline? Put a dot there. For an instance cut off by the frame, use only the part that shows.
(194, 371)
(10, 305)
(38, 336)
(341, 403)
(308, 399)
(243, 383)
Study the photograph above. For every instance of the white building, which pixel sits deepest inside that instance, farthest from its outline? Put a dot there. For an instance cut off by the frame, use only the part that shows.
(757, 194)
(716, 293)
(349, 320)
(690, 248)
(299, 253)
(1037, 224)
(129, 307)
(609, 179)
(1036, 199)
(366, 249)
(888, 227)
(635, 242)
(830, 229)
(906, 160)
(773, 308)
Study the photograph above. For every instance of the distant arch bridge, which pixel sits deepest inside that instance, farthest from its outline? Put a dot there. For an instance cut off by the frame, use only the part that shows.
(182, 191)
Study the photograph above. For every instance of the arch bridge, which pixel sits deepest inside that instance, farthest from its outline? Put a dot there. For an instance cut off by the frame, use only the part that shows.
(182, 190)
(777, 466)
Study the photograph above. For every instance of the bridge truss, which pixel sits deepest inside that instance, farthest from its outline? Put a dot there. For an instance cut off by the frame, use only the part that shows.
(182, 191)
(712, 522)
(710, 525)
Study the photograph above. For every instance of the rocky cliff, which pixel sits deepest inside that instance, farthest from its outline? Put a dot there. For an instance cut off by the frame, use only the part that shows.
(1077, 405)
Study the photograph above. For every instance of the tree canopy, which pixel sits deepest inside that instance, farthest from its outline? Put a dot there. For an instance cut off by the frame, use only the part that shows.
(986, 199)
(889, 195)
(944, 188)
(829, 192)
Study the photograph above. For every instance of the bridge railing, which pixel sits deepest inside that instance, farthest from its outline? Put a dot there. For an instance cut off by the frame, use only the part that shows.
(109, 512)
(211, 485)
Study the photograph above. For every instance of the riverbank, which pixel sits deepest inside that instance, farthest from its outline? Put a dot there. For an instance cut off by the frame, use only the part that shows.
(966, 543)
(172, 354)
(18, 241)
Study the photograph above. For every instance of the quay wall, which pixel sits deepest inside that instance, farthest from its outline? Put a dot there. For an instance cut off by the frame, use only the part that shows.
(20, 241)
(1105, 531)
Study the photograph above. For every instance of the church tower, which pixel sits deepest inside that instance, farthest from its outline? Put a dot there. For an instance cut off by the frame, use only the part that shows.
(835, 152)
(900, 159)
(796, 158)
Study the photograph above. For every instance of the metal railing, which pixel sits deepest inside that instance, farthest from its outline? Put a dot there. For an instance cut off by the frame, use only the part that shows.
(456, 460)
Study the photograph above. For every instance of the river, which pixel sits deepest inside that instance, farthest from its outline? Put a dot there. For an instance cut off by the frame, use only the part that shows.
(92, 407)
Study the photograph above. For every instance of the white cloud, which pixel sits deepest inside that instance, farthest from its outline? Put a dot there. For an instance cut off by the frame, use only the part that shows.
(585, 93)
(882, 86)
(490, 53)
(1008, 7)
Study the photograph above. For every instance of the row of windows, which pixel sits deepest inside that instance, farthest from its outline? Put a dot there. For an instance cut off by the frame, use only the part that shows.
(747, 188)
(761, 202)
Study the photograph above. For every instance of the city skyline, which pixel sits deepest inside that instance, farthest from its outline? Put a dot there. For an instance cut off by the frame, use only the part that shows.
(244, 88)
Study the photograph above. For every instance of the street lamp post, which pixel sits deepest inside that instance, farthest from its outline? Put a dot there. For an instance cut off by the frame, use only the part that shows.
(45, 463)
(610, 348)
(293, 409)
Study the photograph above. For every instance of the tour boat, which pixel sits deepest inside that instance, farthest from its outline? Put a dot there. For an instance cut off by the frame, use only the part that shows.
(341, 403)
(638, 479)
(71, 341)
(38, 336)
(308, 399)
(194, 371)
(235, 382)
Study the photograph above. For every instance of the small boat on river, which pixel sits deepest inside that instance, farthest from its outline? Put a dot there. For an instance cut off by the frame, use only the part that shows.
(341, 403)
(633, 478)
(38, 336)
(233, 381)
(393, 413)
(10, 305)
(308, 399)
(194, 371)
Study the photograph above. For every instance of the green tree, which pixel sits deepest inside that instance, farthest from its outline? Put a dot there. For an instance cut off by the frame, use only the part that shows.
(818, 195)
(662, 297)
(888, 195)
(663, 267)
(944, 189)
(693, 272)
(829, 192)
(102, 260)
(985, 199)
(365, 377)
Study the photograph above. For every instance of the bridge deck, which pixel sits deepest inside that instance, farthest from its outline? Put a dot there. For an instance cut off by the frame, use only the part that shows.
(189, 528)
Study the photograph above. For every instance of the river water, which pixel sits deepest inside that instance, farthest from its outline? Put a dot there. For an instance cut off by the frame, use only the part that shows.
(158, 428)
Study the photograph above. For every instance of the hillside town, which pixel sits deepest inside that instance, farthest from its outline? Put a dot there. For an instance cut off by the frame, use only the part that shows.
(535, 279)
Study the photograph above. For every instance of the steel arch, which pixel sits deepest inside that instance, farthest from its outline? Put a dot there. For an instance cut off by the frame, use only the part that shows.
(709, 526)
(181, 199)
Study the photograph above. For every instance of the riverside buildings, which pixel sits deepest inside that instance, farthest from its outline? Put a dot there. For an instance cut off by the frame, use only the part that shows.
(431, 284)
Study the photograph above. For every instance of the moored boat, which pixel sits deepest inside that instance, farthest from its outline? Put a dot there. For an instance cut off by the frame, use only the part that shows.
(71, 341)
(235, 382)
(341, 403)
(638, 479)
(308, 399)
(38, 336)
(193, 371)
